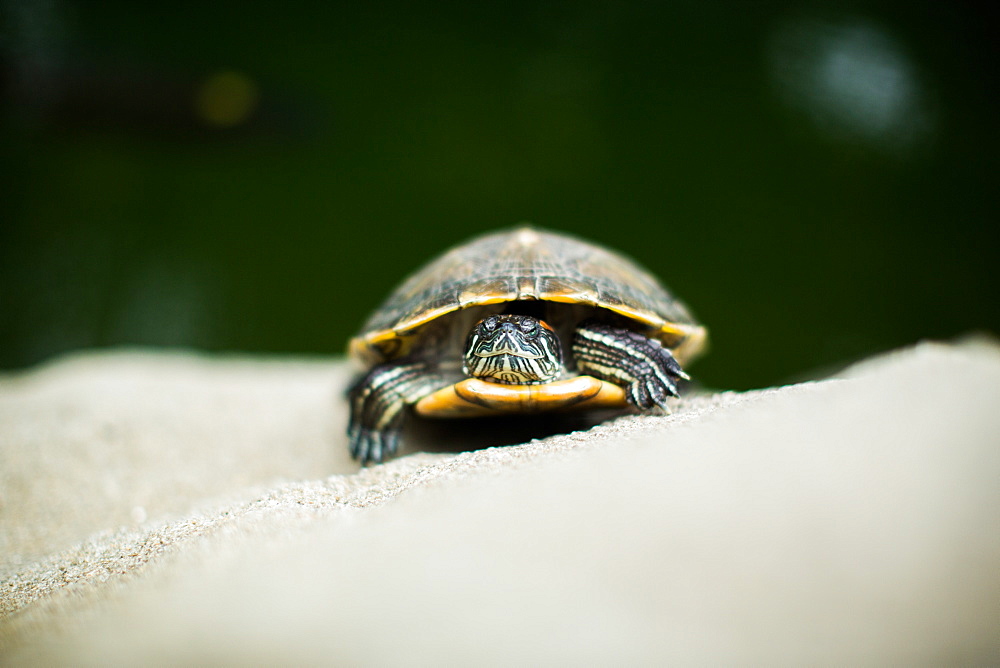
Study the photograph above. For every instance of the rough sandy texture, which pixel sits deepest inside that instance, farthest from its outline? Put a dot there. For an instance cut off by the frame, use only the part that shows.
(159, 508)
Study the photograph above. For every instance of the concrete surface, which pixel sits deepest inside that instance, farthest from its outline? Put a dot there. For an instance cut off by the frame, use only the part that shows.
(168, 508)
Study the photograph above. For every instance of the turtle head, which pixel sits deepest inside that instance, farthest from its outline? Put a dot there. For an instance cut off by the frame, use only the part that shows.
(512, 349)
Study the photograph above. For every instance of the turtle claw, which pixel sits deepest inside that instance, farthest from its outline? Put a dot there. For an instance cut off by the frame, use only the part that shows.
(647, 394)
(646, 369)
(657, 394)
(378, 402)
(656, 383)
(373, 446)
(636, 394)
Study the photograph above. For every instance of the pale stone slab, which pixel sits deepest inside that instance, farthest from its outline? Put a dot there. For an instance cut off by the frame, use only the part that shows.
(170, 508)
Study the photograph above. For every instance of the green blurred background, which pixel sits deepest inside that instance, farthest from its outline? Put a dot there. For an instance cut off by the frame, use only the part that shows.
(817, 181)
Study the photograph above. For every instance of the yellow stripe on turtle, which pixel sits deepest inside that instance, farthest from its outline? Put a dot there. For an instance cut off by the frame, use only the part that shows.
(685, 341)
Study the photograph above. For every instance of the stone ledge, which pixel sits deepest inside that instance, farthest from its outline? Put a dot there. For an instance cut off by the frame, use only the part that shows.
(183, 508)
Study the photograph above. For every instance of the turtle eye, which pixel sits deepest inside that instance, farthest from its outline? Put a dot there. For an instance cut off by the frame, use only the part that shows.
(490, 324)
(529, 327)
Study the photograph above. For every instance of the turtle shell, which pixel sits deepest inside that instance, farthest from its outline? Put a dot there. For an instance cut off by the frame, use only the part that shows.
(527, 264)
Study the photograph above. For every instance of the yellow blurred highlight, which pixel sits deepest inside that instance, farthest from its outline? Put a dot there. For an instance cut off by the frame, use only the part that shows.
(226, 99)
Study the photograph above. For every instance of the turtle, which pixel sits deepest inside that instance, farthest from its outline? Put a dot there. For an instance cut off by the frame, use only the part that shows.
(517, 321)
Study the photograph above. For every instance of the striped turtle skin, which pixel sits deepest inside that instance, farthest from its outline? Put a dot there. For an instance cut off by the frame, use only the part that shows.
(518, 321)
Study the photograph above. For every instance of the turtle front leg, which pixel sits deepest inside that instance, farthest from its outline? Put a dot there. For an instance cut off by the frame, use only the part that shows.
(641, 365)
(378, 401)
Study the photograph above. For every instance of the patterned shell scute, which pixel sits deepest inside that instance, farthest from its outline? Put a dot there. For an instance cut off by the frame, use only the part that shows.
(526, 263)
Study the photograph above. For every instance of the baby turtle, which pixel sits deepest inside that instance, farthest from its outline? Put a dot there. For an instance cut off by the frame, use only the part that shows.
(519, 321)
